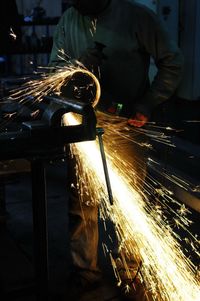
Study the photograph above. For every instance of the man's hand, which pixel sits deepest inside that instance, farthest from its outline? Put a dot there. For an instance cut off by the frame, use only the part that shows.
(92, 59)
(138, 120)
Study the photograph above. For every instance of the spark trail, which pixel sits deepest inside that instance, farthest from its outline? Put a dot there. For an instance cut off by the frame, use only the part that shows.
(142, 229)
(53, 83)
(34, 90)
(167, 273)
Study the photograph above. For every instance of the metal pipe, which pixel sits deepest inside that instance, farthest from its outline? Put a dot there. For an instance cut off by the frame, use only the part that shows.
(100, 132)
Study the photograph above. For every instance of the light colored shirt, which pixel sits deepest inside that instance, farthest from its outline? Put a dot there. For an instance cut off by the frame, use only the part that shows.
(131, 34)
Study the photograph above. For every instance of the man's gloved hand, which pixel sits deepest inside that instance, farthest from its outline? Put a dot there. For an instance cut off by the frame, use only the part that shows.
(138, 120)
(141, 115)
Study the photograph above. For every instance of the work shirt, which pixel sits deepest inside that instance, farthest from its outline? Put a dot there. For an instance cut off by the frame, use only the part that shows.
(131, 34)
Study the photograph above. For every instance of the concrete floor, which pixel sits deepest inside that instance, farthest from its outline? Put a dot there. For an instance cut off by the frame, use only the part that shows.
(16, 240)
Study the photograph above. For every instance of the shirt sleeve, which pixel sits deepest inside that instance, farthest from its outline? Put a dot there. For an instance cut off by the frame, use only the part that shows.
(155, 40)
(58, 55)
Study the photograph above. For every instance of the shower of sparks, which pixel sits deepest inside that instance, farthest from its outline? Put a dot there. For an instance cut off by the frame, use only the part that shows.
(33, 91)
(173, 178)
(12, 34)
(142, 228)
(150, 131)
(52, 83)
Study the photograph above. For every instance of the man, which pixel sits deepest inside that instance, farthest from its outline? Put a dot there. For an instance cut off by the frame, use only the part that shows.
(119, 37)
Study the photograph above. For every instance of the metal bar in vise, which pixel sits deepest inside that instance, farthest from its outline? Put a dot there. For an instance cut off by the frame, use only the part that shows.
(100, 133)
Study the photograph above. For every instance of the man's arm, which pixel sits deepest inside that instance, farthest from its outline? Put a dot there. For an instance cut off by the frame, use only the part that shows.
(154, 39)
(58, 55)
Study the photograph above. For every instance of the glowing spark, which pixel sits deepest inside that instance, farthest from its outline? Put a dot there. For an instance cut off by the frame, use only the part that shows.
(183, 210)
(12, 34)
(169, 128)
(192, 121)
(35, 113)
(196, 188)
(10, 115)
(147, 145)
(93, 27)
(64, 55)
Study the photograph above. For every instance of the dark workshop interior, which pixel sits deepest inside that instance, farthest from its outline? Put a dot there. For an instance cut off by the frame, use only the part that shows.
(34, 230)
